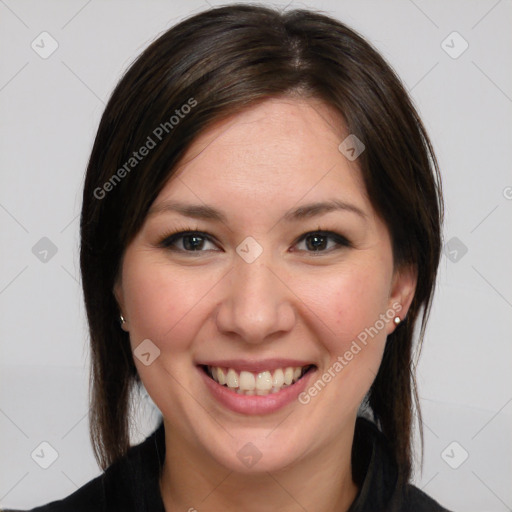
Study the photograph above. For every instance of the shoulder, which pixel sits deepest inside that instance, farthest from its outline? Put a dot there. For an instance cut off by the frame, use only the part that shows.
(376, 472)
(415, 500)
(88, 498)
(106, 492)
(128, 485)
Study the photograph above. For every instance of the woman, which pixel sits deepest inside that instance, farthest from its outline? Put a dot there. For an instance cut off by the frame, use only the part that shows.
(260, 236)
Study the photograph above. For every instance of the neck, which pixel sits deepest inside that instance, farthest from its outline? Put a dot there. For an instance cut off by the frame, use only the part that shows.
(321, 481)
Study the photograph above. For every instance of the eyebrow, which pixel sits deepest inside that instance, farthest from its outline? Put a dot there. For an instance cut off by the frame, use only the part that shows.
(198, 211)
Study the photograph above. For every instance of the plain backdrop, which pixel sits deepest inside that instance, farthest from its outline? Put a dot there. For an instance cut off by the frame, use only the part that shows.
(49, 111)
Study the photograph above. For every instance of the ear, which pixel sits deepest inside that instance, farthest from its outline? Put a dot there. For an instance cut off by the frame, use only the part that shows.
(119, 296)
(402, 291)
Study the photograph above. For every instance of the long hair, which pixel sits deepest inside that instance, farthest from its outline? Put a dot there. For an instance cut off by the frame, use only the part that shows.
(220, 62)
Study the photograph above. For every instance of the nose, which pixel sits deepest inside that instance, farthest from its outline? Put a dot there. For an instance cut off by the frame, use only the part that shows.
(257, 305)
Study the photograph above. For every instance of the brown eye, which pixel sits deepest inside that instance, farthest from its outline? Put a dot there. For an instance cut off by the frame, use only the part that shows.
(318, 241)
(186, 241)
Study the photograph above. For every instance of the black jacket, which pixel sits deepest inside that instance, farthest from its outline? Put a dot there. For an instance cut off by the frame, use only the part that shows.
(132, 483)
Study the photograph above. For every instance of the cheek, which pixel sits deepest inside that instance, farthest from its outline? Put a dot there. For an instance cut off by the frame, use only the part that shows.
(161, 304)
(345, 309)
(349, 304)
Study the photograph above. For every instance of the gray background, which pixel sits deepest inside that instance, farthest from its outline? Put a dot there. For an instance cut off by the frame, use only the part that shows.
(50, 109)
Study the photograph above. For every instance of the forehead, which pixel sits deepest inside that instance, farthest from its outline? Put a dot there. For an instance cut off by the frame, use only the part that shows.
(280, 150)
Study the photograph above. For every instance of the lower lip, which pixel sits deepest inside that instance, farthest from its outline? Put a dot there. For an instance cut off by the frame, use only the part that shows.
(255, 404)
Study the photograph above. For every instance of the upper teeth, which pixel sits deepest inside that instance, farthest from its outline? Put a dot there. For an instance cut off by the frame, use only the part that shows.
(261, 383)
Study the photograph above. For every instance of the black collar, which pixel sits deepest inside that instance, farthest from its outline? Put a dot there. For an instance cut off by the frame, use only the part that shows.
(132, 483)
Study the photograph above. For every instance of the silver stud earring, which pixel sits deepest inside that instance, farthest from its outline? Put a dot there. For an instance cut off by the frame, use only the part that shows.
(121, 319)
(397, 320)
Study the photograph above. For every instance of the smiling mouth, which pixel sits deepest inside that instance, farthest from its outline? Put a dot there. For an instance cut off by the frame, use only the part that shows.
(257, 383)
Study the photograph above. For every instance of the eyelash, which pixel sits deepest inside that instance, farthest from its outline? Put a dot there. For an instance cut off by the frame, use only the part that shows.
(173, 236)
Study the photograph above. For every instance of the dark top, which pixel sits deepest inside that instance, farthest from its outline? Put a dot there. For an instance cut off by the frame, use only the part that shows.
(131, 484)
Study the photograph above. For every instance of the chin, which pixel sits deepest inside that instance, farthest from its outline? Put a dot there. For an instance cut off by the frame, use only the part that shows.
(254, 452)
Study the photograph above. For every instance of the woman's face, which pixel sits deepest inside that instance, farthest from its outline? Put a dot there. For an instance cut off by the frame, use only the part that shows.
(252, 295)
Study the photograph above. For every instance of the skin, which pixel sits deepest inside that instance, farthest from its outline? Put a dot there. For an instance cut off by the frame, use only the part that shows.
(292, 301)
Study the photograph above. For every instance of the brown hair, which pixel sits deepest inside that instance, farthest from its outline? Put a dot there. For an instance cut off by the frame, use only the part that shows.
(219, 62)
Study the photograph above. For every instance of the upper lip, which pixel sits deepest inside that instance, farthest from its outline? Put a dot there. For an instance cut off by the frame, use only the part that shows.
(255, 366)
